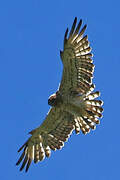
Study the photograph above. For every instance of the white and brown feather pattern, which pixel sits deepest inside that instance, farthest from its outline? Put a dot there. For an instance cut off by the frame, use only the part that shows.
(78, 107)
(91, 114)
(76, 57)
(64, 130)
(44, 139)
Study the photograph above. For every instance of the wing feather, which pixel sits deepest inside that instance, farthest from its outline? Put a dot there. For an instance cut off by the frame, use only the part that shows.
(51, 135)
(73, 27)
(78, 67)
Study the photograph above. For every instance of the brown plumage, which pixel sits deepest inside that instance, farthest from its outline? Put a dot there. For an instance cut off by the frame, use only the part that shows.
(74, 105)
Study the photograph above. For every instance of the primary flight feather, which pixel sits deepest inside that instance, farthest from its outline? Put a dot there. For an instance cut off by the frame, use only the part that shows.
(74, 105)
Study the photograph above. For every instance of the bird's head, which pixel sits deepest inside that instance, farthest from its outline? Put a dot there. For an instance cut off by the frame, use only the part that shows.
(54, 99)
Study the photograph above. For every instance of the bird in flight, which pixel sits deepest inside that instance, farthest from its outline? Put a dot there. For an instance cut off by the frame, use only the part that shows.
(73, 107)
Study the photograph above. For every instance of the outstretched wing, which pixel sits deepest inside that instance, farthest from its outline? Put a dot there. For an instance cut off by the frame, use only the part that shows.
(52, 134)
(77, 77)
(76, 57)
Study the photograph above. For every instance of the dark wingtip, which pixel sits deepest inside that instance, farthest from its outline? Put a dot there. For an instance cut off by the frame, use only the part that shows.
(24, 163)
(21, 158)
(21, 169)
(66, 33)
(78, 26)
(75, 19)
(26, 170)
(81, 20)
(85, 26)
(16, 164)
(20, 148)
(28, 165)
(73, 28)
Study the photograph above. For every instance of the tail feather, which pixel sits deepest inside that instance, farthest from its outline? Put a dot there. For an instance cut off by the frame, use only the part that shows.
(81, 124)
(93, 95)
(92, 111)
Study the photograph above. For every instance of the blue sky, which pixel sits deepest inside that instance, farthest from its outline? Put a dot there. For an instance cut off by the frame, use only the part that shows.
(31, 35)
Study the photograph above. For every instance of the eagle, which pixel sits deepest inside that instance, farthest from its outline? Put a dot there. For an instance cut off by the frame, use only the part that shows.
(74, 106)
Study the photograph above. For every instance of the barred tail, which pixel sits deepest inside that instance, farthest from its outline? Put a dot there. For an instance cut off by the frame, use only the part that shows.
(92, 112)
